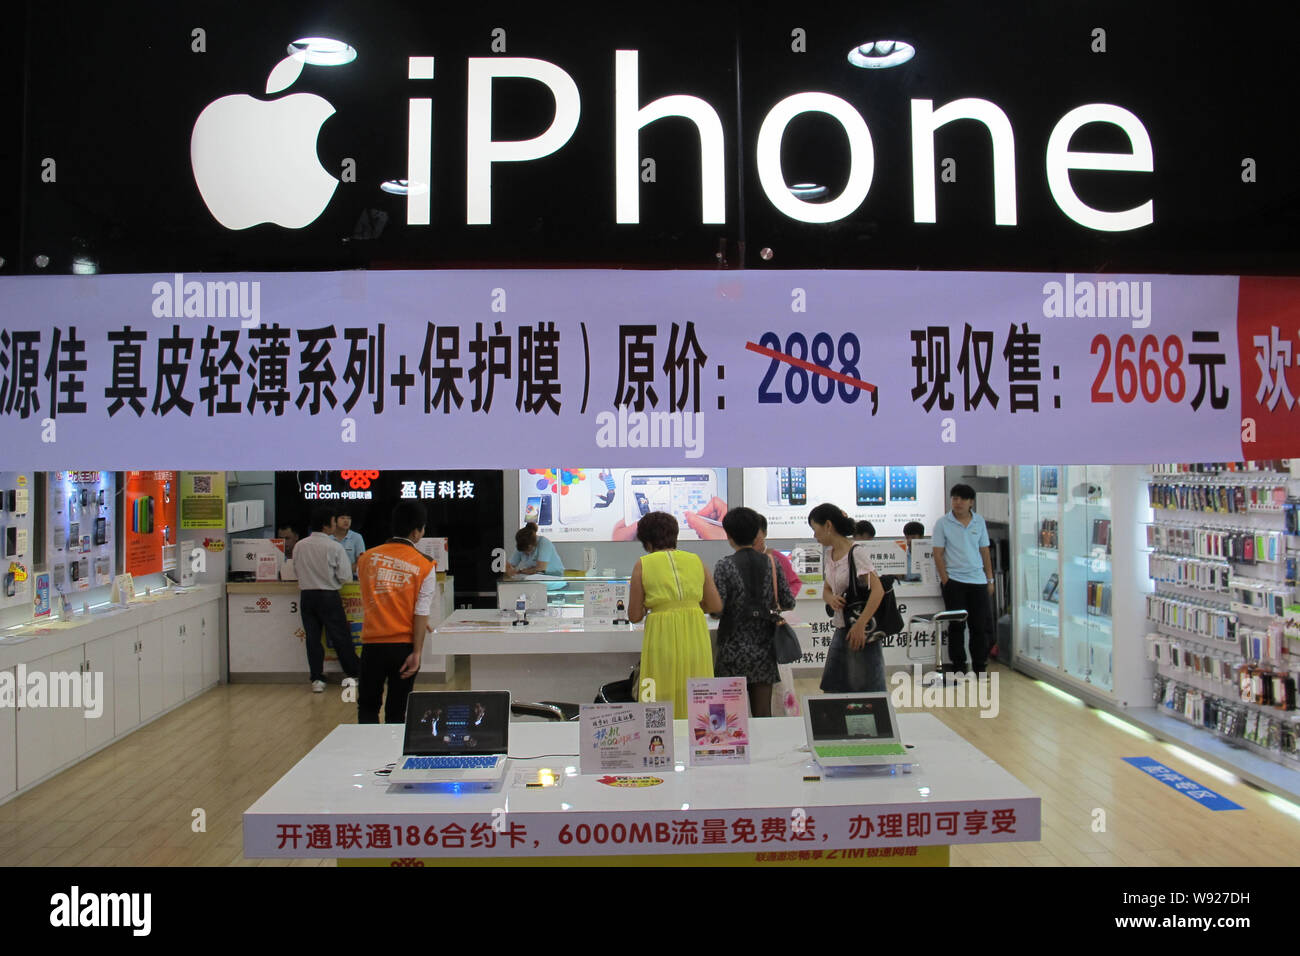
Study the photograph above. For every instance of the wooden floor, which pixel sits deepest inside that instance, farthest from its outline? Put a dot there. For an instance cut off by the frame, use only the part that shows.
(221, 752)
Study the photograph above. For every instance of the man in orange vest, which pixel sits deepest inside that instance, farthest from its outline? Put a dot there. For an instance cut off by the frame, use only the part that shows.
(398, 586)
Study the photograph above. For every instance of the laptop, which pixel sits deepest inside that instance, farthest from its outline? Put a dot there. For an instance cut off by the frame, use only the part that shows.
(458, 740)
(853, 730)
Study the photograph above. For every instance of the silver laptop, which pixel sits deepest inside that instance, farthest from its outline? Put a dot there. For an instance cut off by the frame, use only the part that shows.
(853, 730)
(455, 740)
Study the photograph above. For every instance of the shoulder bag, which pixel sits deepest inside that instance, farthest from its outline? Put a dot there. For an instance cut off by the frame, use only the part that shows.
(887, 617)
(784, 641)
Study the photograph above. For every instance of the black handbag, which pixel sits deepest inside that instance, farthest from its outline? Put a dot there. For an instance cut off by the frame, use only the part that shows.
(887, 618)
(785, 643)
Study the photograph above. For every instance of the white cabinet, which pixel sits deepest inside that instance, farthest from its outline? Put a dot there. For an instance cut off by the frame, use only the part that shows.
(151, 669)
(8, 739)
(211, 643)
(173, 661)
(100, 668)
(36, 729)
(126, 681)
(133, 675)
(191, 624)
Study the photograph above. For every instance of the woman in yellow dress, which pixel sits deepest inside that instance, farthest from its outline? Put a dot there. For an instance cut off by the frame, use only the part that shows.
(676, 589)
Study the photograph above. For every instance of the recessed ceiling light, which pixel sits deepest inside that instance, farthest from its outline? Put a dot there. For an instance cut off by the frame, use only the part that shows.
(402, 187)
(881, 54)
(322, 51)
(808, 190)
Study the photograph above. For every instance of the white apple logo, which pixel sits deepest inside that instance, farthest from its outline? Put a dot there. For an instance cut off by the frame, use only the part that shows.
(255, 160)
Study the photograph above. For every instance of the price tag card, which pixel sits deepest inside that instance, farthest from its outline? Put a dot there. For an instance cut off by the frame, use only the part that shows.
(717, 720)
(605, 602)
(625, 737)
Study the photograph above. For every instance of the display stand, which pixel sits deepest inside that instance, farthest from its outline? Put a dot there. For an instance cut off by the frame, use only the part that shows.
(770, 811)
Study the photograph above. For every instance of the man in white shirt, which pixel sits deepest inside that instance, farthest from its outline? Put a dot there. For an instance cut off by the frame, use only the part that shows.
(965, 566)
(323, 567)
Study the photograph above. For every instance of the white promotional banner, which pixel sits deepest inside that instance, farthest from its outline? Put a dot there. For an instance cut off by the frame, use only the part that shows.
(636, 369)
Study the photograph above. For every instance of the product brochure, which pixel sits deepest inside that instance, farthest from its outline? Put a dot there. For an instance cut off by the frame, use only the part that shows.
(605, 602)
(625, 737)
(41, 603)
(717, 720)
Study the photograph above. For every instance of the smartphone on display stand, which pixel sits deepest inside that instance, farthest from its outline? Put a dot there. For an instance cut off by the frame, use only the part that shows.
(798, 486)
(870, 486)
(902, 483)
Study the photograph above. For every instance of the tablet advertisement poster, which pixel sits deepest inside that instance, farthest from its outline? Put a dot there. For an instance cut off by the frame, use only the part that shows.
(717, 720)
(625, 737)
(605, 504)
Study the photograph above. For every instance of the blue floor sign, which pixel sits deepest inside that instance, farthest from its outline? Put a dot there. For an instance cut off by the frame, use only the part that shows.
(1202, 795)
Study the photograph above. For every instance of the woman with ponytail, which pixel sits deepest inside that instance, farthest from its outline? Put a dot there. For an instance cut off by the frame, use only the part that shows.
(855, 662)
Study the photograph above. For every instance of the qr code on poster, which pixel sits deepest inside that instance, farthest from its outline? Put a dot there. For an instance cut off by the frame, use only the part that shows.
(203, 484)
(656, 718)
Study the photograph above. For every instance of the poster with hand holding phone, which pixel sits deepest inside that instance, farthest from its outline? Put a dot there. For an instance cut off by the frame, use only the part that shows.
(887, 496)
(605, 504)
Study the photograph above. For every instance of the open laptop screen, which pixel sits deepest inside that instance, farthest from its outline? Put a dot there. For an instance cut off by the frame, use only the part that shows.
(457, 722)
(850, 718)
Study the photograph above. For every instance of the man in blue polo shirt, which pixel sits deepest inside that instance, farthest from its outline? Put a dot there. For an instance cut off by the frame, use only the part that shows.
(961, 555)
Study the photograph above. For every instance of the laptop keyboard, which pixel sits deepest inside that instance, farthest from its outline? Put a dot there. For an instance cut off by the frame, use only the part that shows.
(861, 750)
(450, 763)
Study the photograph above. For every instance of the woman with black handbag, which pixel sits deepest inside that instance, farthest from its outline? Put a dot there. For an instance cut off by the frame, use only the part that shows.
(745, 581)
(855, 662)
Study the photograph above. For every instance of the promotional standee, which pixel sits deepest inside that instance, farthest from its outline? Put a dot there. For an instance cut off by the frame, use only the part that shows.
(20, 584)
(79, 523)
(150, 522)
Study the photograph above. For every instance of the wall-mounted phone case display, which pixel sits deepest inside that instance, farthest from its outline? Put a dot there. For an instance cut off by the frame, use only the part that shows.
(605, 504)
(17, 578)
(1063, 581)
(150, 522)
(887, 496)
(82, 551)
(1223, 621)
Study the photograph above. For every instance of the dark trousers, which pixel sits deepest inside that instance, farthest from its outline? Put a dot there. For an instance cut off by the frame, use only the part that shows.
(380, 663)
(974, 600)
(323, 610)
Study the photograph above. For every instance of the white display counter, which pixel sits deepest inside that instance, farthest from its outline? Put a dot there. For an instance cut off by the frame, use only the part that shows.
(266, 633)
(333, 804)
(556, 656)
(138, 662)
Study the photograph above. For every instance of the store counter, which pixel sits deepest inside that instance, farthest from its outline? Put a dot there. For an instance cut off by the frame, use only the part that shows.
(556, 656)
(332, 804)
(266, 633)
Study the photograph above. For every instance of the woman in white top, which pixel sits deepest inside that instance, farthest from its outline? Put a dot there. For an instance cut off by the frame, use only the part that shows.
(855, 662)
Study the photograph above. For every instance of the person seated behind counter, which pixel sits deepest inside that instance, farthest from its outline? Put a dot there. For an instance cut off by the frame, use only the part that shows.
(534, 554)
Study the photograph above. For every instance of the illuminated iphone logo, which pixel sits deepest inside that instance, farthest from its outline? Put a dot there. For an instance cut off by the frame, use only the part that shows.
(254, 160)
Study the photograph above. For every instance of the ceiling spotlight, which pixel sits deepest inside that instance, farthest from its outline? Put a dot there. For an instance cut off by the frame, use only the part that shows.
(84, 266)
(42, 261)
(322, 51)
(881, 54)
(808, 191)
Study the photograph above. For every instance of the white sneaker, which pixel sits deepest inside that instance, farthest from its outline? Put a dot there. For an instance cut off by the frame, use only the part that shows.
(318, 687)
(349, 682)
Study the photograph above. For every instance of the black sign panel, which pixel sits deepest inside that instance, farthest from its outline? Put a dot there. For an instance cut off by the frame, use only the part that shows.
(184, 137)
(463, 506)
